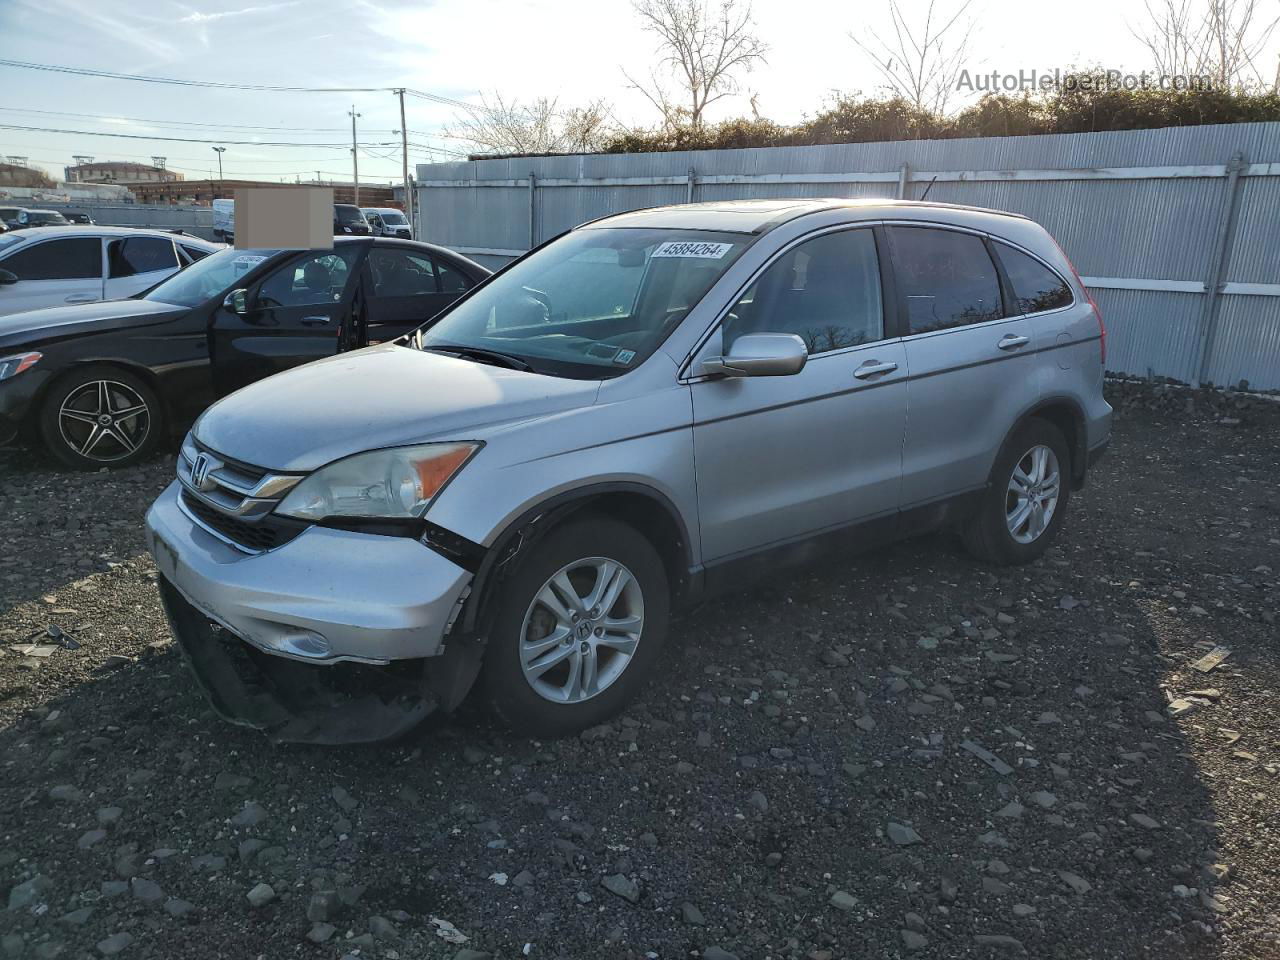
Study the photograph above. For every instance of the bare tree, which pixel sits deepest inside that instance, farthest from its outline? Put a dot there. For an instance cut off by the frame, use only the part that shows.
(704, 45)
(498, 125)
(921, 62)
(1220, 39)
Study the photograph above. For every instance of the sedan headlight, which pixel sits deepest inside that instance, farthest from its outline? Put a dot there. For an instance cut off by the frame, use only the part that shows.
(12, 366)
(395, 484)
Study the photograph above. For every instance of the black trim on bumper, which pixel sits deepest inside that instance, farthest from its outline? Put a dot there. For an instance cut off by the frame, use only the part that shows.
(293, 702)
(1097, 452)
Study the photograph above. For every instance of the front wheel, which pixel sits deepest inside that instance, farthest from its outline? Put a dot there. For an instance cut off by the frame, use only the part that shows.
(100, 416)
(1026, 501)
(578, 629)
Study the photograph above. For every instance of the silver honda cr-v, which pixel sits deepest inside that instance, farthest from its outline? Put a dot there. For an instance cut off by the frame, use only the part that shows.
(647, 409)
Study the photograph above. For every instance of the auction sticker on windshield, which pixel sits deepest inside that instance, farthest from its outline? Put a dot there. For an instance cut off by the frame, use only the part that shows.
(692, 248)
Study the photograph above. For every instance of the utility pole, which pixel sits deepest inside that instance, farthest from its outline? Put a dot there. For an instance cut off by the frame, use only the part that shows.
(404, 145)
(355, 158)
(219, 151)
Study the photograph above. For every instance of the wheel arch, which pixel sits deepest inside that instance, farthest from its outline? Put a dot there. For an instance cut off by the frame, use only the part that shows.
(643, 507)
(1065, 413)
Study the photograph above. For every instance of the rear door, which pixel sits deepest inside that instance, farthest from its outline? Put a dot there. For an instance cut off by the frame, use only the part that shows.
(969, 351)
(406, 288)
(52, 273)
(300, 311)
(135, 264)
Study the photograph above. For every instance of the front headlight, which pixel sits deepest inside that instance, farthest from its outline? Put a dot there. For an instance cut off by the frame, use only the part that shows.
(12, 366)
(394, 484)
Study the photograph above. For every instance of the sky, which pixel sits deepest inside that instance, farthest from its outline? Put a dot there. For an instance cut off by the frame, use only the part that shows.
(572, 50)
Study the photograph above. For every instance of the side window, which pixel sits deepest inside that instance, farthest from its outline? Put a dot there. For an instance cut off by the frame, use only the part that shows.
(193, 254)
(77, 258)
(312, 281)
(1035, 286)
(135, 255)
(398, 273)
(451, 280)
(946, 277)
(826, 291)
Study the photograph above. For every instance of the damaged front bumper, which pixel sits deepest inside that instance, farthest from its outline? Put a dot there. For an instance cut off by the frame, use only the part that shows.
(334, 637)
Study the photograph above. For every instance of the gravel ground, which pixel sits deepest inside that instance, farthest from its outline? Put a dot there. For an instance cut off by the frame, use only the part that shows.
(807, 782)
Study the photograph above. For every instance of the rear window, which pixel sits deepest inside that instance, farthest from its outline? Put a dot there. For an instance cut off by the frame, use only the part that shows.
(1035, 287)
(76, 258)
(135, 255)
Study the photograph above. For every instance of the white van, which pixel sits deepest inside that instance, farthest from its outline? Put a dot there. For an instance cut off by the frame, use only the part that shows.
(224, 221)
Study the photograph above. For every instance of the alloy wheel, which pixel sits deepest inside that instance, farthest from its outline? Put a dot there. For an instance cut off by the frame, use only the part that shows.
(104, 420)
(581, 631)
(1032, 495)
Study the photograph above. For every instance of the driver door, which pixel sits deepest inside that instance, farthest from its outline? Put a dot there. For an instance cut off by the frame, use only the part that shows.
(782, 460)
(299, 312)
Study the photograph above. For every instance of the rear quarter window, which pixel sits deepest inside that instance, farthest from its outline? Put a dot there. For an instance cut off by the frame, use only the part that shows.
(1036, 288)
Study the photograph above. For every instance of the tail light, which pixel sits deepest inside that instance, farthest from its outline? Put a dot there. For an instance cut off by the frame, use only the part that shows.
(1102, 327)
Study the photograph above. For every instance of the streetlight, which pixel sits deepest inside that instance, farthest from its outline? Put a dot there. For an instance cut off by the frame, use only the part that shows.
(213, 193)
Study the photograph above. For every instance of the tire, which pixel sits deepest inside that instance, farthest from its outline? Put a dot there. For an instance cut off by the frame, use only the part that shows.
(127, 431)
(579, 552)
(989, 533)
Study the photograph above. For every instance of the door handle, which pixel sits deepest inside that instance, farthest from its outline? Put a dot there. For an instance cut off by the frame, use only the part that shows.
(81, 298)
(316, 321)
(1012, 341)
(873, 368)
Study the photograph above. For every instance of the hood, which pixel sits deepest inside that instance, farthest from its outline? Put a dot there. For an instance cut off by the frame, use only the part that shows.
(383, 396)
(50, 323)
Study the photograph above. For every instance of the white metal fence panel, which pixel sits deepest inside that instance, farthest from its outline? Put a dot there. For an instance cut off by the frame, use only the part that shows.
(1176, 231)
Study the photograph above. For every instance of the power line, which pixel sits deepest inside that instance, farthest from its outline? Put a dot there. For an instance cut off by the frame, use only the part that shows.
(225, 85)
(140, 136)
(185, 123)
(83, 72)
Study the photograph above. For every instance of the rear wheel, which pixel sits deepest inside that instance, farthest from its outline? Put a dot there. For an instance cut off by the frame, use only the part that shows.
(1026, 501)
(100, 417)
(578, 629)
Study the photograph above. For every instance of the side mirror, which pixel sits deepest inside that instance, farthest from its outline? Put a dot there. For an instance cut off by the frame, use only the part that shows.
(7, 278)
(760, 355)
(237, 301)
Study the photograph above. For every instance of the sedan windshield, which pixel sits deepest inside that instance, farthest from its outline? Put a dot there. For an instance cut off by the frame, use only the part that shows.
(213, 276)
(593, 304)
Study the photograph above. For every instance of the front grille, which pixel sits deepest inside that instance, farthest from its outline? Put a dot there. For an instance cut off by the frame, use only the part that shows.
(254, 536)
(235, 500)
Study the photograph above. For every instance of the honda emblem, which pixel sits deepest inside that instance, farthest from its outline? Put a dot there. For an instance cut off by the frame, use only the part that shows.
(200, 472)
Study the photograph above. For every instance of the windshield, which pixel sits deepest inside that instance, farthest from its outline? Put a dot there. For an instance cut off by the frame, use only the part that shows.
(347, 214)
(593, 304)
(213, 276)
(393, 218)
(38, 216)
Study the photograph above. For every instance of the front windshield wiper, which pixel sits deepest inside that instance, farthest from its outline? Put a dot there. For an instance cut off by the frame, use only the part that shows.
(481, 355)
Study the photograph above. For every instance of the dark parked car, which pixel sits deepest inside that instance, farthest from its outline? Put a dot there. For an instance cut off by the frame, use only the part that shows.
(9, 216)
(101, 383)
(82, 218)
(41, 218)
(349, 220)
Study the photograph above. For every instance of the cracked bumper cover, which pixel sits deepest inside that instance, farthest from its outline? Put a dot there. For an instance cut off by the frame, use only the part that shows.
(335, 625)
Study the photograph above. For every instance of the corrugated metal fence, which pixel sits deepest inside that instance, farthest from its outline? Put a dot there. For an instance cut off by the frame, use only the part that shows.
(1176, 231)
(197, 221)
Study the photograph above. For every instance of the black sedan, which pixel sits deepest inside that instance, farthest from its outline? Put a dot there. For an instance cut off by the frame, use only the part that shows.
(102, 383)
